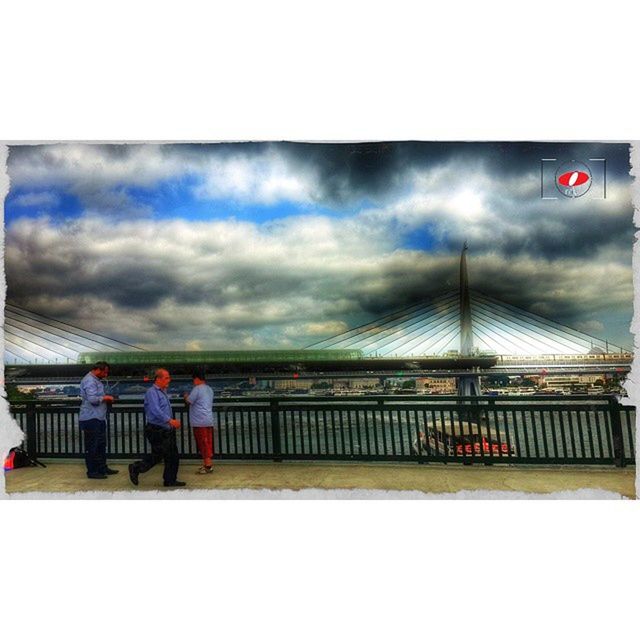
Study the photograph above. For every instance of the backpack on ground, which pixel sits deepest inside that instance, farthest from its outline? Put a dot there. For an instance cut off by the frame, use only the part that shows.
(18, 457)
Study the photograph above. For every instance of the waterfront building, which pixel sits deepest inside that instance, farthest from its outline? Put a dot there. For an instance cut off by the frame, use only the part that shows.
(444, 386)
(290, 384)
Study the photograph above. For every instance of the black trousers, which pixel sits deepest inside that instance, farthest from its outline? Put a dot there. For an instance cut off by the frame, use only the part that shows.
(163, 447)
(95, 446)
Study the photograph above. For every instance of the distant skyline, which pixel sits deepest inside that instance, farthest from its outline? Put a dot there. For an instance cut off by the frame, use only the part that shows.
(259, 245)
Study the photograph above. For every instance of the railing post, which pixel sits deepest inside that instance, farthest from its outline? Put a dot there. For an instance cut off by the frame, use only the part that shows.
(616, 432)
(275, 431)
(380, 404)
(32, 441)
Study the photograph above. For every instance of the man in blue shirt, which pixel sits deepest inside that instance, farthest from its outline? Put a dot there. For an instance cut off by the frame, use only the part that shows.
(160, 433)
(93, 421)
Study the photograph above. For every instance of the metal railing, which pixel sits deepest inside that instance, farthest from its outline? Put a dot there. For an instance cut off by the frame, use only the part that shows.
(487, 429)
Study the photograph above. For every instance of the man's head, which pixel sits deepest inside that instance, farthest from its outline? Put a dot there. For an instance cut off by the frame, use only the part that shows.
(198, 377)
(100, 369)
(162, 378)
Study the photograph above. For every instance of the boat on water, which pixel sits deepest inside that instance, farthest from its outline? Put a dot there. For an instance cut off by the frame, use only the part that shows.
(462, 438)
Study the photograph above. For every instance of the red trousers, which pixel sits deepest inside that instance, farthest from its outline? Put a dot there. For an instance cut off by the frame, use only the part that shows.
(204, 440)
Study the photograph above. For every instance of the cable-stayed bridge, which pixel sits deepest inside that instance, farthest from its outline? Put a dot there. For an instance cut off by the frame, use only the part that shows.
(32, 338)
(427, 329)
(434, 328)
(460, 331)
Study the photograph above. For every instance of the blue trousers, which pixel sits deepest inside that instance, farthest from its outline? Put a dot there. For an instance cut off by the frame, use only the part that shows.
(95, 445)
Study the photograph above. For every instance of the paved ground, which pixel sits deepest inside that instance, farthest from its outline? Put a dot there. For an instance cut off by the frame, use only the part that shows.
(70, 477)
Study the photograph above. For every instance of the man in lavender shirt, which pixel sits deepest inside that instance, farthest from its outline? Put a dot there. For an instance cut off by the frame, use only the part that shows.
(93, 421)
(201, 418)
(160, 432)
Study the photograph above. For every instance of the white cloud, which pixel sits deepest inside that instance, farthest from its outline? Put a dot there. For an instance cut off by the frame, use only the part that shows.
(454, 202)
(330, 327)
(95, 172)
(590, 326)
(264, 178)
(37, 199)
(91, 166)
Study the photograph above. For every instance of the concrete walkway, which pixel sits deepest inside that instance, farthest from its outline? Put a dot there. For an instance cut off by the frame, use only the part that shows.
(433, 478)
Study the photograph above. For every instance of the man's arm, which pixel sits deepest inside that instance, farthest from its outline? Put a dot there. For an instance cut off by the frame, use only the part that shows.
(190, 398)
(93, 391)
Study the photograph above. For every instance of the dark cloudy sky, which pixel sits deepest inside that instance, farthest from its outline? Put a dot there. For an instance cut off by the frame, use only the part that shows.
(264, 245)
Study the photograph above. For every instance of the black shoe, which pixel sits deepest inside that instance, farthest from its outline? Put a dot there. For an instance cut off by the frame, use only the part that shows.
(111, 472)
(175, 483)
(96, 476)
(133, 474)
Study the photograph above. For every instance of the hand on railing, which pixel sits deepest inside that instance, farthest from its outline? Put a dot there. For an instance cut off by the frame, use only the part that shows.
(107, 398)
(175, 423)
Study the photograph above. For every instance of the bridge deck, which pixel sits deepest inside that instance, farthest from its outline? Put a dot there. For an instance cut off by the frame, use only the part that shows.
(434, 478)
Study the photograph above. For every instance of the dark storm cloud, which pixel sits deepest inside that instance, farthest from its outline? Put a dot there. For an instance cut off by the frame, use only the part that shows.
(580, 237)
(130, 286)
(577, 235)
(512, 158)
(349, 172)
(133, 287)
(366, 170)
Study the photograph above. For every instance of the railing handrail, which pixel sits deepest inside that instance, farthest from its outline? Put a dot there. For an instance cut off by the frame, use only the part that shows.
(303, 399)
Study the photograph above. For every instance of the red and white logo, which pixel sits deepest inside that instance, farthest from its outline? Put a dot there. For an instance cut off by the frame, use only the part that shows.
(573, 179)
